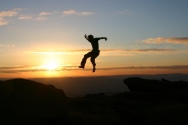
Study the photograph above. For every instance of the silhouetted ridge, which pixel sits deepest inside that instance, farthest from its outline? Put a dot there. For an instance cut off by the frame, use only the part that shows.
(150, 102)
(159, 89)
(150, 85)
(29, 102)
(24, 88)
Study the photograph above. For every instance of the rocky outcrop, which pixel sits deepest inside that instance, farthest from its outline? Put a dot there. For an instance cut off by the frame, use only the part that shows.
(159, 90)
(150, 102)
(27, 102)
(149, 85)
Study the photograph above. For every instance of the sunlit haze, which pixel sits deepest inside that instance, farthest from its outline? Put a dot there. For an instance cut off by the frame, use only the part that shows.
(45, 38)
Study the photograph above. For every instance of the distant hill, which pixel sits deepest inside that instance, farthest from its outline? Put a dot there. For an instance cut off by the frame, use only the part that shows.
(150, 101)
(110, 85)
(79, 86)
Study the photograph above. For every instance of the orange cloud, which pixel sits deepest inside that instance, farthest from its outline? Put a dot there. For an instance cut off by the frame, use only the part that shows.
(24, 17)
(73, 12)
(5, 14)
(19, 69)
(173, 40)
(45, 13)
(106, 52)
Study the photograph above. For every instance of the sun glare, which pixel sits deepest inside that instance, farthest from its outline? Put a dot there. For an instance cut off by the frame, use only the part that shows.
(51, 66)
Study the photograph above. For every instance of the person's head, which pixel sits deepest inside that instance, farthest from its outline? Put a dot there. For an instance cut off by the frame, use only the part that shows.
(90, 37)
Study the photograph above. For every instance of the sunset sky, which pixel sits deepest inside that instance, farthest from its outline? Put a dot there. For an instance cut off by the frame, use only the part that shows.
(45, 38)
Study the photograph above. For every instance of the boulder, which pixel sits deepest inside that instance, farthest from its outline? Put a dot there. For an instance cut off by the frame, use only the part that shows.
(28, 102)
(160, 90)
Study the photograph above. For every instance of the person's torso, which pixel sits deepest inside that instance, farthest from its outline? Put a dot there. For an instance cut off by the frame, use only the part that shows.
(95, 44)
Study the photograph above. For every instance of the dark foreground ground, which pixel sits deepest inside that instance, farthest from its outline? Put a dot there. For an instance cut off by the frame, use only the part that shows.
(152, 102)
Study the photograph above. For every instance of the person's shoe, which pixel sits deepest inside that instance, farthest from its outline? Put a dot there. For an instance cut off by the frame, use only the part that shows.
(94, 69)
(81, 67)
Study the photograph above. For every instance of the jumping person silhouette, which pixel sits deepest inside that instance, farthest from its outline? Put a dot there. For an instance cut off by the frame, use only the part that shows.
(94, 53)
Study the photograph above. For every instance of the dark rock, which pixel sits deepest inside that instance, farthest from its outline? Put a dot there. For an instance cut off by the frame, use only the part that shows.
(148, 85)
(149, 102)
(28, 102)
(159, 90)
(140, 84)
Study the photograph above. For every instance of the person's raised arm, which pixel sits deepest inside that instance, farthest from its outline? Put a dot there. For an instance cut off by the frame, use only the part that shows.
(103, 38)
(86, 37)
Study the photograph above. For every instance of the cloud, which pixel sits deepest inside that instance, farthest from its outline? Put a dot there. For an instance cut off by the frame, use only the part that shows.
(133, 52)
(73, 51)
(171, 67)
(173, 40)
(25, 68)
(73, 12)
(2, 22)
(46, 52)
(6, 14)
(154, 50)
(69, 12)
(44, 13)
(16, 69)
(43, 16)
(20, 69)
(24, 17)
(139, 50)
(86, 13)
(105, 52)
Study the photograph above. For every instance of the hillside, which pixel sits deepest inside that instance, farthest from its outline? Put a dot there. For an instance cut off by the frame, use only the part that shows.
(150, 101)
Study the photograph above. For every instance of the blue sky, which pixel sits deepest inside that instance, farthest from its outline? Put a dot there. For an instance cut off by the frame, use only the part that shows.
(141, 33)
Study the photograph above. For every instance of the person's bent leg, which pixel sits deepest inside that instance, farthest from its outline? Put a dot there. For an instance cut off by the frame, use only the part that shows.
(93, 57)
(83, 62)
(93, 63)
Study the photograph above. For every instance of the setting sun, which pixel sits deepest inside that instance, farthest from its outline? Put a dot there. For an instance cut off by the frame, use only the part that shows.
(51, 66)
